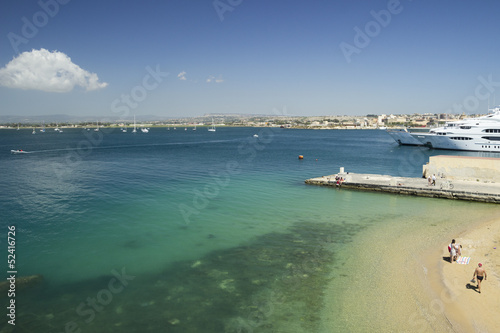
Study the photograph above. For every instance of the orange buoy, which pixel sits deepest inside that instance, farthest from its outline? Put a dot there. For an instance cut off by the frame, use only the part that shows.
(301, 157)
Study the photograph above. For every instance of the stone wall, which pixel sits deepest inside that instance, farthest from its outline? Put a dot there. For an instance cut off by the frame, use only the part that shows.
(482, 169)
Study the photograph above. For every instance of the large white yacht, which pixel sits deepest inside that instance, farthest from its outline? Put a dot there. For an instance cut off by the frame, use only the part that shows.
(404, 137)
(475, 134)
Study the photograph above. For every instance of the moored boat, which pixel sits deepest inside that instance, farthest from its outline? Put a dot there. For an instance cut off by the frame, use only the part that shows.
(473, 134)
(403, 137)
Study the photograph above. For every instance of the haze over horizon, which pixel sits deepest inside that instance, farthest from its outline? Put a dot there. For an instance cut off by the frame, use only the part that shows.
(187, 59)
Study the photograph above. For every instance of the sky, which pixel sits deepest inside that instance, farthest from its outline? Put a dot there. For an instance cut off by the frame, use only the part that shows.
(176, 58)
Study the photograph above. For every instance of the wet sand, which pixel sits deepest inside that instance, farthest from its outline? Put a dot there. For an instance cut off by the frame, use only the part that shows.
(466, 308)
(396, 280)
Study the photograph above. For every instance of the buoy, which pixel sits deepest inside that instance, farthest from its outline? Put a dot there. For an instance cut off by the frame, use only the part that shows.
(301, 157)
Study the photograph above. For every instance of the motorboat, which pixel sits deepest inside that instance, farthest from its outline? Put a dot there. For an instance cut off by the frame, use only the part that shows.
(473, 134)
(18, 151)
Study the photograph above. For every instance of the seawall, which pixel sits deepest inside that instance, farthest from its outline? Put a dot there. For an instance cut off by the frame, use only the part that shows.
(444, 188)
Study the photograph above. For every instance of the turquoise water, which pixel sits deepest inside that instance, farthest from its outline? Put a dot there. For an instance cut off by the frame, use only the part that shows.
(218, 230)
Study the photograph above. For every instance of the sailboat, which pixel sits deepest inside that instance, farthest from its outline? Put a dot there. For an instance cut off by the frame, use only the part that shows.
(18, 127)
(212, 128)
(134, 130)
(34, 132)
(194, 129)
(43, 128)
(97, 129)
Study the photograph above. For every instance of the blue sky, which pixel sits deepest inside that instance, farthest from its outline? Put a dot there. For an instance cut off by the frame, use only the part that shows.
(97, 57)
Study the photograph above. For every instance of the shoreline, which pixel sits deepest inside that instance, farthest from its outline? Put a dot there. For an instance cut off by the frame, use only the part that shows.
(454, 294)
(398, 284)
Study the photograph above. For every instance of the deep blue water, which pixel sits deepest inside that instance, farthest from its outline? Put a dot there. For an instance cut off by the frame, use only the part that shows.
(204, 221)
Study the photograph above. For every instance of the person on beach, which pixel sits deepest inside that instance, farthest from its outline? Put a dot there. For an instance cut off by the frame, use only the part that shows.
(453, 251)
(434, 180)
(479, 273)
(429, 180)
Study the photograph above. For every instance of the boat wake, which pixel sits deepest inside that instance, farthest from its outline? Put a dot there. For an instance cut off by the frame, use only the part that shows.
(20, 151)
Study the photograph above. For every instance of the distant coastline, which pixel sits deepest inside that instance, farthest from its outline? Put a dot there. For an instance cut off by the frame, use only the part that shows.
(235, 120)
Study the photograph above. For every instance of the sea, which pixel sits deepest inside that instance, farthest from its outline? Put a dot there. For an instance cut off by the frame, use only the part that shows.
(182, 230)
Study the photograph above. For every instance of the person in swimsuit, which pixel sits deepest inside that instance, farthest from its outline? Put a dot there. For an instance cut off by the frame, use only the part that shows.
(479, 273)
(453, 251)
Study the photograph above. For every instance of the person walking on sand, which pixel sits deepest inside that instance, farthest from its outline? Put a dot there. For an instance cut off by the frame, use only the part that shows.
(434, 180)
(479, 273)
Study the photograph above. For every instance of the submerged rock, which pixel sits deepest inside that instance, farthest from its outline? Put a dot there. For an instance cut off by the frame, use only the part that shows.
(22, 282)
(196, 264)
(174, 321)
(227, 285)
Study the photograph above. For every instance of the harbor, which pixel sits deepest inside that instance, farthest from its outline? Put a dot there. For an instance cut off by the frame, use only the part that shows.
(444, 187)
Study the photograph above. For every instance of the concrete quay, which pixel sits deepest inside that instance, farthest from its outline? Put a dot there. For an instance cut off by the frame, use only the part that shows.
(462, 189)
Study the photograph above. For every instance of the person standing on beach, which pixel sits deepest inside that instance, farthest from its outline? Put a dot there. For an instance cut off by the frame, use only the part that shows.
(479, 273)
(453, 251)
(458, 247)
(434, 180)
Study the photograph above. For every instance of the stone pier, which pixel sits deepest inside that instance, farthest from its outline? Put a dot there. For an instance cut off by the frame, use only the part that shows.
(483, 191)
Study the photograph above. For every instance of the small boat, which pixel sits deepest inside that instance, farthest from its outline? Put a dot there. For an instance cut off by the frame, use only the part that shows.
(145, 130)
(212, 129)
(255, 136)
(18, 151)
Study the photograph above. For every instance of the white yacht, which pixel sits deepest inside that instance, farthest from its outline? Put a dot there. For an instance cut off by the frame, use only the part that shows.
(475, 134)
(404, 137)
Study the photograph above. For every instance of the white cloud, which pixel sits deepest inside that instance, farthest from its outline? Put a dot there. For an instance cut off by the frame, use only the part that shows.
(182, 76)
(212, 78)
(47, 71)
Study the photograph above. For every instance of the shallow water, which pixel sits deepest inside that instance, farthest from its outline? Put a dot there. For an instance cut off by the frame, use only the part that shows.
(218, 229)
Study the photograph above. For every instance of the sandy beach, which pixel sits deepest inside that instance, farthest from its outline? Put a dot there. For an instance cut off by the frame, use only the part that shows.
(465, 308)
(397, 277)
